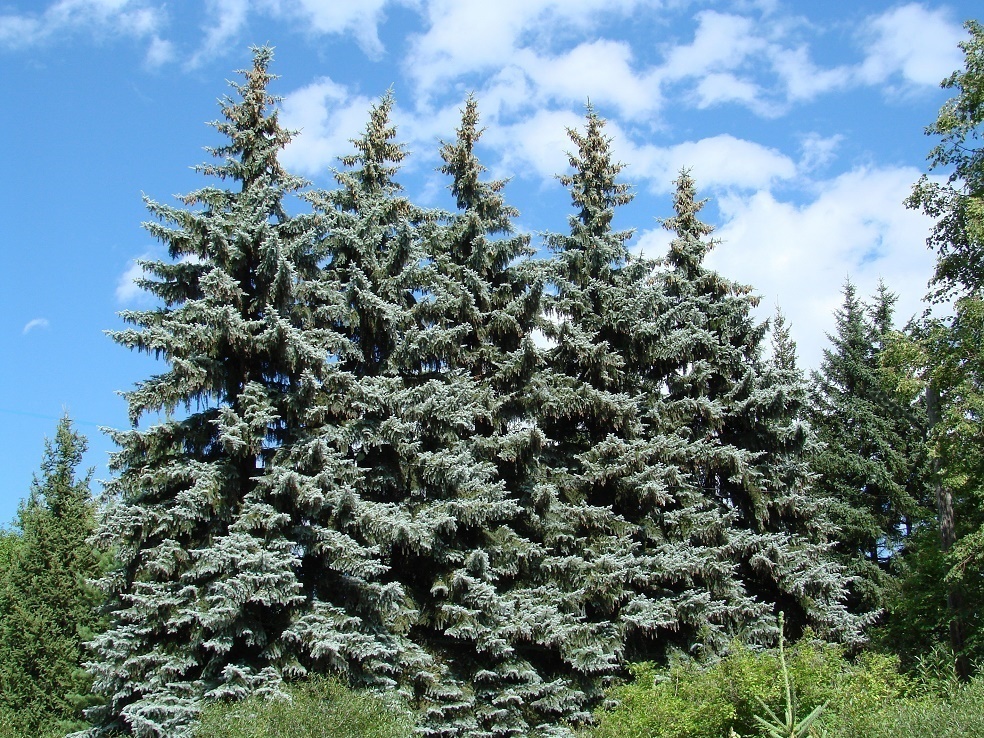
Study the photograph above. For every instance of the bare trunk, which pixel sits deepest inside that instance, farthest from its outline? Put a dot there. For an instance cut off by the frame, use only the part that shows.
(948, 537)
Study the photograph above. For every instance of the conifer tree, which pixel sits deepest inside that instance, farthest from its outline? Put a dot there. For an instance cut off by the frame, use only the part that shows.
(869, 462)
(47, 605)
(205, 598)
(732, 425)
(484, 302)
(586, 411)
(434, 335)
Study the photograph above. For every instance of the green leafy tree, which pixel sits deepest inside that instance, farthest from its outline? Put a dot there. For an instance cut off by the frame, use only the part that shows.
(47, 605)
(947, 357)
(957, 205)
(206, 599)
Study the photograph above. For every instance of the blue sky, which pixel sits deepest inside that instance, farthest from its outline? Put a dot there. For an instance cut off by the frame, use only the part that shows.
(803, 122)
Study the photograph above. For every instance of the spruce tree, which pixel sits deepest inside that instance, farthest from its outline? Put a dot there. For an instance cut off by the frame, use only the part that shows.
(869, 461)
(731, 423)
(47, 605)
(586, 411)
(434, 323)
(206, 595)
(484, 304)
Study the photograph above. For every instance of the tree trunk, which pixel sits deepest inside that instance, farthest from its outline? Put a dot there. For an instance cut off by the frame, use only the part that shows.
(948, 537)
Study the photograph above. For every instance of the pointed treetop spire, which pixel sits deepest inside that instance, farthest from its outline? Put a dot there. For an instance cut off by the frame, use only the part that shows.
(252, 125)
(688, 249)
(593, 186)
(377, 156)
(783, 345)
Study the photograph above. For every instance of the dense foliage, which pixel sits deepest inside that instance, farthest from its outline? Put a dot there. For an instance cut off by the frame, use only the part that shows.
(871, 463)
(359, 462)
(47, 604)
(318, 708)
(862, 698)
(945, 360)
(398, 475)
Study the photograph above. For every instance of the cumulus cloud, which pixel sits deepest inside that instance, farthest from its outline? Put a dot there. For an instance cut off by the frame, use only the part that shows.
(722, 41)
(466, 36)
(326, 115)
(535, 146)
(914, 42)
(134, 18)
(798, 254)
(36, 323)
(717, 162)
(600, 70)
(361, 18)
(801, 78)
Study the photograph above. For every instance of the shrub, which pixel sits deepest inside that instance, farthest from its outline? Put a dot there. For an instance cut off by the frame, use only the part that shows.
(317, 708)
(689, 700)
(866, 698)
(950, 712)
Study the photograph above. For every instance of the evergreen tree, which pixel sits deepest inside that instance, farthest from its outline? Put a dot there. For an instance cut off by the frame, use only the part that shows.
(483, 306)
(586, 411)
(206, 598)
(870, 459)
(668, 524)
(733, 425)
(47, 606)
(434, 323)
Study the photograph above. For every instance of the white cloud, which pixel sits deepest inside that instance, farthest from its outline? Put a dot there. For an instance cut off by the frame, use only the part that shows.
(465, 36)
(913, 41)
(134, 18)
(128, 291)
(798, 255)
(358, 17)
(600, 70)
(721, 42)
(227, 18)
(721, 161)
(327, 116)
(536, 145)
(804, 80)
(159, 53)
(724, 87)
(36, 323)
(653, 243)
(818, 151)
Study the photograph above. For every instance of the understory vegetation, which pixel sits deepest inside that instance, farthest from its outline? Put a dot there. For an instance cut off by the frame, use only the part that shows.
(397, 476)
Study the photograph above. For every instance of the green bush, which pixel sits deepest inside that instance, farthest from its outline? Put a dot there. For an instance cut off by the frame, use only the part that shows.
(318, 708)
(865, 698)
(952, 712)
(693, 701)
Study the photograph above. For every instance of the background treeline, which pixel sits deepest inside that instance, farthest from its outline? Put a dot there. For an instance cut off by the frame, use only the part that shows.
(390, 447)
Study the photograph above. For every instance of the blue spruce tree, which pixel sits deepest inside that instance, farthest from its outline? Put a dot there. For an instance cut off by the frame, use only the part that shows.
(208, 599)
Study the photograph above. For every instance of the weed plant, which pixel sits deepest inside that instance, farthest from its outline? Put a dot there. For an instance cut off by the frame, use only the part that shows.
(318, 708)
(867, 697)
